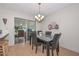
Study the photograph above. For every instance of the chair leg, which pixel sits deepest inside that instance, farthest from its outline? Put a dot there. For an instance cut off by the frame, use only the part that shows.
(30, 40)
(57, 51)
(36, 49)
(32, 46)
(52, 52)
(43, 49)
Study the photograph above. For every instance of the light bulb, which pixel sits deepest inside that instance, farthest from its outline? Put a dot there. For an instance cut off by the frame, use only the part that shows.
(42, 17)
(36, 17)
(39, 15)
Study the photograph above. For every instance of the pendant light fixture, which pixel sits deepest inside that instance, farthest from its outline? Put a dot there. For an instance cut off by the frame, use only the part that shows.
(39, 17)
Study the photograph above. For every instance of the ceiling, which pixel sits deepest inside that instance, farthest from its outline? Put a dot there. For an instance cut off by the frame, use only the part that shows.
(32, 8)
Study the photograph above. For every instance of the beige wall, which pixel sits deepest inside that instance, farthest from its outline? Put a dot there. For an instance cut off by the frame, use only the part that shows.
(68, 19)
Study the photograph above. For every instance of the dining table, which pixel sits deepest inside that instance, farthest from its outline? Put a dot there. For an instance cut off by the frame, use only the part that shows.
(47, 41)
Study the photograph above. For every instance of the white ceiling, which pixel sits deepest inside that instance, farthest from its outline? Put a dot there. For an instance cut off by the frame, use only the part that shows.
(32, 8)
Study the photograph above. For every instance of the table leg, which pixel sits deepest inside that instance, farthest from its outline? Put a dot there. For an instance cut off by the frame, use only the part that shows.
(30, 40)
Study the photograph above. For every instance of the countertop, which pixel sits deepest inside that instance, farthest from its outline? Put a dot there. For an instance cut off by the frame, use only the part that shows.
(3, 35)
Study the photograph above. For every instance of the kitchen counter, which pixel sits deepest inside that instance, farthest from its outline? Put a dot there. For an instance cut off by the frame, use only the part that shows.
(3, 35)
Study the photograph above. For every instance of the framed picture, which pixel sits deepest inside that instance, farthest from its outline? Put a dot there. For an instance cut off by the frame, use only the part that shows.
(52, 25)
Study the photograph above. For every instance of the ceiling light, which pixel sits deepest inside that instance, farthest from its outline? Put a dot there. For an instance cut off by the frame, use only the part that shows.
(39, 17)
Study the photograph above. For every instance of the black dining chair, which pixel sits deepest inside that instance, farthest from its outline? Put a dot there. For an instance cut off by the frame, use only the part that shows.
(35, 41)
(54, 44)
(48, 33)
(38, 32)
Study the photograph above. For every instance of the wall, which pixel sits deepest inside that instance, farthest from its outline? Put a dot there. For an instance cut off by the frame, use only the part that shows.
(10, 14)
(38, 26)
(68, 19)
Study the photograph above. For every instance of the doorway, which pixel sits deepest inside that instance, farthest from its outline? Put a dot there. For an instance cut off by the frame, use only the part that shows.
(23, 28)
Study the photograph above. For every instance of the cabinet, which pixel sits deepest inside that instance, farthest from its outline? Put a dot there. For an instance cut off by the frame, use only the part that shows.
(3, 44)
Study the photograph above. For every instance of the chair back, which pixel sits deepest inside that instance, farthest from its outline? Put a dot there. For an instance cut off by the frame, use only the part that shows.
(38, 32)
(48, 33)
(56, 37)
(33, 36)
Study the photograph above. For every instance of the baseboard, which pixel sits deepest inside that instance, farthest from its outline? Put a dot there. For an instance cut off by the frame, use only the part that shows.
(69, 50)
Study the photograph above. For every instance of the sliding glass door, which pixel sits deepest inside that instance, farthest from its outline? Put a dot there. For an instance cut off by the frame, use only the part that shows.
(23, 29)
